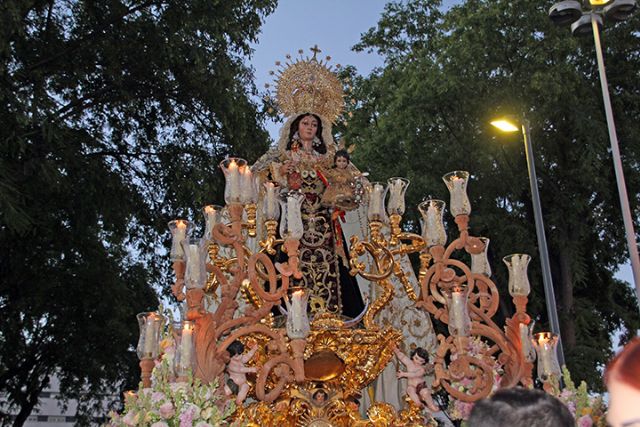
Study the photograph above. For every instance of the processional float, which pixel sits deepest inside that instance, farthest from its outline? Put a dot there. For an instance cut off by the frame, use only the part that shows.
(311, 368)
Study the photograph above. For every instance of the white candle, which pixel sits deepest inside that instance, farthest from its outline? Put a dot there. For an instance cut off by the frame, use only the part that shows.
(458, 196)
(395, 196)
(297, 319)
(479, 262)
(527, 347)
(375, 206)
(193, 261)
(186, 344)
(459, 321)
(271, 208)
(518, 279)
(247, 188)
(234, 181)
(179, 233)
(149, 335)
(212, 216)
(293, 215)
(435, 227)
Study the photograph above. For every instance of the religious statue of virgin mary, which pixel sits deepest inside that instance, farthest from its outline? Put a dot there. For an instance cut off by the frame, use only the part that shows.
(311, 97)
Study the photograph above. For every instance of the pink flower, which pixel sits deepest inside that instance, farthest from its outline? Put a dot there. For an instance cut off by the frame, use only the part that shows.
(131, 418)
(160, 424)
(585, 421)
(186, 417)
(157, 396)
(167, 410)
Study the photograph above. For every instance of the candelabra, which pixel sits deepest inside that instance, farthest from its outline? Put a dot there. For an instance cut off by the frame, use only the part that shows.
(300, 362)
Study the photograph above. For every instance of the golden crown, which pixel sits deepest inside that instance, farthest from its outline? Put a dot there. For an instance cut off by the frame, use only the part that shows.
(308, 84)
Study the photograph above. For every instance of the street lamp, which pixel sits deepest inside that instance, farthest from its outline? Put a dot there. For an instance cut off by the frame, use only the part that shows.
(570, 12)
(507, 125)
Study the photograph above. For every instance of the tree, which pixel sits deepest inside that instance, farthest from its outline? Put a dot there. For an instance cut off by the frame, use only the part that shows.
(446, 74)
(114, 117)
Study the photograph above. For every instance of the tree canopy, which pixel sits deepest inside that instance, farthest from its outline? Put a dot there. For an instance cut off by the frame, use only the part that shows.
(446, 73)
(114, 116)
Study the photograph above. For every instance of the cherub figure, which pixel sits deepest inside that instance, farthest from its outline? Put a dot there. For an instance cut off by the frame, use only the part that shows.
(341, 181)
(237, 370)
(417, 367)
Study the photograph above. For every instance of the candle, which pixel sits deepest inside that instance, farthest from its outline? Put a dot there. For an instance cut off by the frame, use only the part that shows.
(212, 216)
(457, 185)
(248, 186)
(178, 229)
(150, 335)
(186, 345)
(395, 196)
(234, 181)
(433, 231)
(518, 279)
(297, 319)
(548, 366)
(459, 322)
(271, 209)
(525, 339)
(479, 262)
(375, 202)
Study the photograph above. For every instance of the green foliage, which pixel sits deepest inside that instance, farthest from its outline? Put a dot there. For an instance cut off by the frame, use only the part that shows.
(114, 116)
(445, 75)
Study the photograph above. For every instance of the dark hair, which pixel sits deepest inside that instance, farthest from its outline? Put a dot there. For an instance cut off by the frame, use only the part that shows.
(322, 148)
(235, 348)
(341, 153)
(521, 407)
(625, 366)
(420, 352)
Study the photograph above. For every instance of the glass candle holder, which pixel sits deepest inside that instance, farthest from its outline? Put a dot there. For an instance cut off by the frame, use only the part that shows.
(270, 205)
(377, 194)
(151, 324)
(233, 169)
(518, 279)
(480, 262)
(180, 229)
(297, 319)
(212, 217)
(185, 348)
(526, 339)
(546, 344)
(433, 231)
(456, 182)
(195, 275)
(291, 222)
(397, 187)
(459, 320)
(248, 186)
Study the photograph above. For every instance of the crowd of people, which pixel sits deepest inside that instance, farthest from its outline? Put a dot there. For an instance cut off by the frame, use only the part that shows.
(534, 408)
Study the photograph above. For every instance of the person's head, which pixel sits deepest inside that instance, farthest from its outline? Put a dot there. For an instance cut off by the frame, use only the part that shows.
(341, 159)
(320, 396)
(235, 348)
(622, 378)
(516, 407)
(307, 127)
(420, 356)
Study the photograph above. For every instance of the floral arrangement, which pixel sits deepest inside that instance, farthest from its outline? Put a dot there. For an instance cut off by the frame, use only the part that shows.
(173, 404)
(588, 409)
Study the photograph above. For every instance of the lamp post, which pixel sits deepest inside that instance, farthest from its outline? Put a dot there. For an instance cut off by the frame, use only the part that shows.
(570, 12)
(506, 125)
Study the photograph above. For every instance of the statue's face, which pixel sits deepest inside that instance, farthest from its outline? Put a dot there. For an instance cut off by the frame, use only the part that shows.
(308, 128)
(419, 360)
(342, 162)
